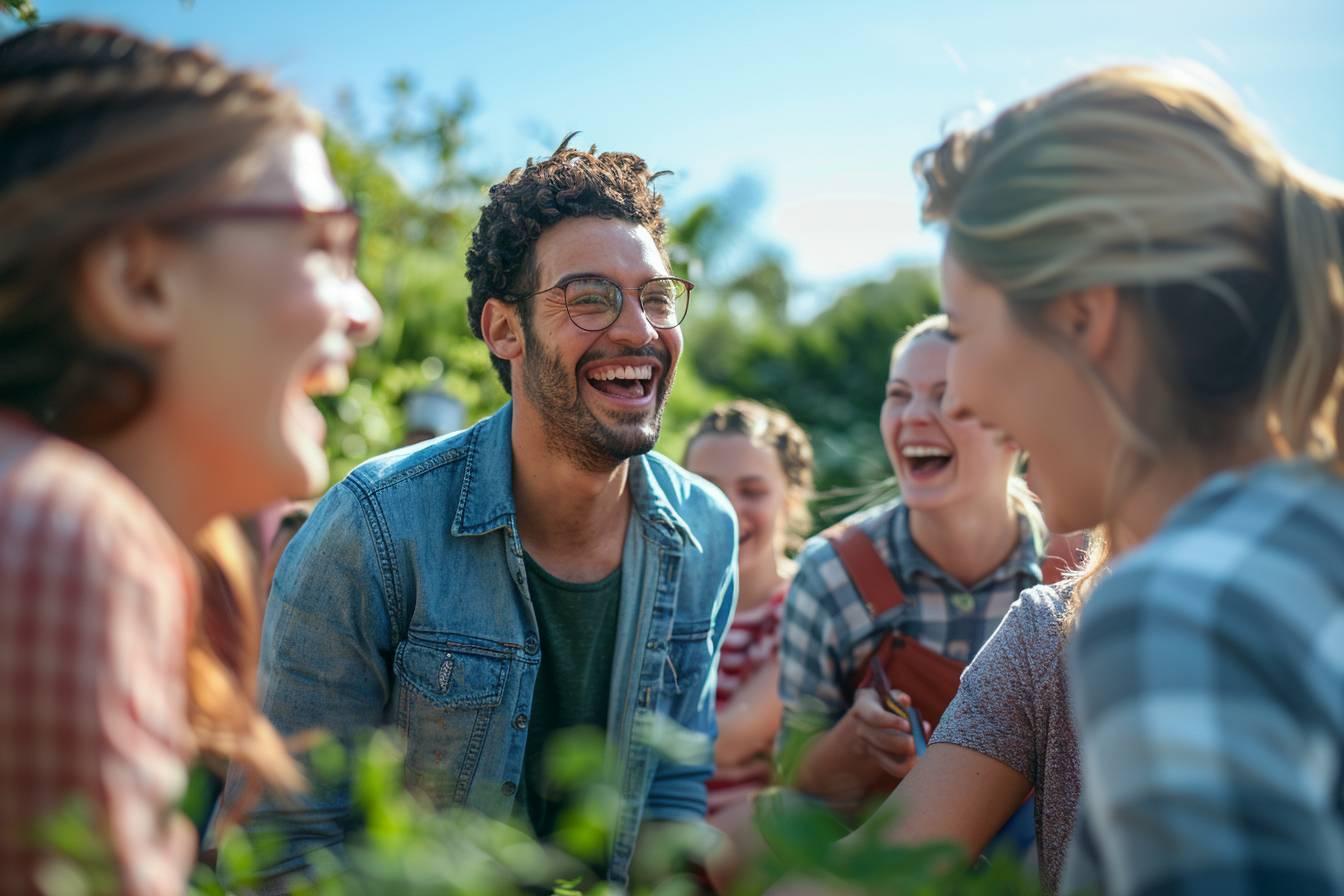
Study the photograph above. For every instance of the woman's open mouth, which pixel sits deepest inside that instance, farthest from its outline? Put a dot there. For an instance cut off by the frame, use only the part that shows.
(924, 462)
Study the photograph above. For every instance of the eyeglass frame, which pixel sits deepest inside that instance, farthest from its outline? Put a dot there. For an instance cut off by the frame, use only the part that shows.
(279, 211)
(620, 291)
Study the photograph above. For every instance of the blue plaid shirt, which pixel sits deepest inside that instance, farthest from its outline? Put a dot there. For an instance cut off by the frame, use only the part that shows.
(828, 632)
(1208, 689)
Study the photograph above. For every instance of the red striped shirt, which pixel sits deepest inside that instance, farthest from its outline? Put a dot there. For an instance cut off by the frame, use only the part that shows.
(751, 642)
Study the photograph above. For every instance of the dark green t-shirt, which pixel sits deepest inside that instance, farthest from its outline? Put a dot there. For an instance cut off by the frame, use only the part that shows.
(577, 627)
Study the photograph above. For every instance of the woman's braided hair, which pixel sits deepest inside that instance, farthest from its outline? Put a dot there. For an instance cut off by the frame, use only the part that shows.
(104, 130)
(777, 431)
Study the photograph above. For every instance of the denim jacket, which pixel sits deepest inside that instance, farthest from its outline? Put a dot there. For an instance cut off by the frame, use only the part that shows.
(403, 602)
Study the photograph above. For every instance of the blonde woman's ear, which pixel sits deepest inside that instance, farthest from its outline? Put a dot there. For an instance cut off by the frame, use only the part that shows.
(1089, 320)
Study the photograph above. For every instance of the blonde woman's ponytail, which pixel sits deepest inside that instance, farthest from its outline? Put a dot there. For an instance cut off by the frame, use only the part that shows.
(1306, 367)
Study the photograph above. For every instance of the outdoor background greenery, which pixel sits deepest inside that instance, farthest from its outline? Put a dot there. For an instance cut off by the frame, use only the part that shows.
(741, 338)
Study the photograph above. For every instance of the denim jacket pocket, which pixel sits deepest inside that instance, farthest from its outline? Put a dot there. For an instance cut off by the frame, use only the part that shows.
(688, 656)
(446, 698)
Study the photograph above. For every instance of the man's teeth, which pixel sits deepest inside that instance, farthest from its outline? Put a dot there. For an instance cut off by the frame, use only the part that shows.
(625, 373)
(924, 451)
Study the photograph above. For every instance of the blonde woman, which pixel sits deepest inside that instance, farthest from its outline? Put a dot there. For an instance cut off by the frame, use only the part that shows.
(959, 546)
(1161, 286)
(176, 275)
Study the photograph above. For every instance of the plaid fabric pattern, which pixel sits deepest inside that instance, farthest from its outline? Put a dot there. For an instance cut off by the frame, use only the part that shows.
(94, 604)
(828, 632)
(1207, 675)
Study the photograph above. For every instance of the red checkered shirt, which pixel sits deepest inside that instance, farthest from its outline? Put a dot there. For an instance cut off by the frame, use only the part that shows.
(95, 602)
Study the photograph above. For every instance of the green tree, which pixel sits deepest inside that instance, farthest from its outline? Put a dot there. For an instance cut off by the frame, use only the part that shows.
(24, 11)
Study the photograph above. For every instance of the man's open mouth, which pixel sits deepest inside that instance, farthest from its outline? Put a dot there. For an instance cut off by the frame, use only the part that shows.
(623, 381)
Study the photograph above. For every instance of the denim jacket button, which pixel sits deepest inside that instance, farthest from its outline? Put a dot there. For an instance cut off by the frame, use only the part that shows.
(520, 721)
(509, 788)
(530, 644)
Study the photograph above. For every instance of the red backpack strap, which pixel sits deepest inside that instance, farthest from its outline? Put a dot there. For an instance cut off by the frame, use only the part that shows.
(869, 573)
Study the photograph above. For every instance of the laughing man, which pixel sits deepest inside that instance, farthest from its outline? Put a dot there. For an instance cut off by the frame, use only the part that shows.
(538, 571)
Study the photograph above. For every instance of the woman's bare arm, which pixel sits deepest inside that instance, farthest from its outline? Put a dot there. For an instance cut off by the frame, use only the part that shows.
(747, 725)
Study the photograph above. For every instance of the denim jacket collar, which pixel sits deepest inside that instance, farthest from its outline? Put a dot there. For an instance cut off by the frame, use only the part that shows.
(486, 502)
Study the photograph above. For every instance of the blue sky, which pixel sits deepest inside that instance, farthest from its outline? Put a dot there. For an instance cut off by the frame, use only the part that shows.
(823, 106)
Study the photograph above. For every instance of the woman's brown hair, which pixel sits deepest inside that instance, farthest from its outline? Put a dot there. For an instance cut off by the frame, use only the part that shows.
(103, 130)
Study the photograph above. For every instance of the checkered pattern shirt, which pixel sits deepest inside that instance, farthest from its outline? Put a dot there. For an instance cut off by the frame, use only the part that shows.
(828, 632)
(1207, 675)
(94, 612)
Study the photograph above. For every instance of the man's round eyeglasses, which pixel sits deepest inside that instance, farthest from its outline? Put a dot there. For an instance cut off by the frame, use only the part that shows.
(594, 303)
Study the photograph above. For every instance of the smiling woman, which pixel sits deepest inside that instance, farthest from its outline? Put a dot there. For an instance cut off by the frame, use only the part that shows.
(954, 551)
(1163, 288)
(175, 278)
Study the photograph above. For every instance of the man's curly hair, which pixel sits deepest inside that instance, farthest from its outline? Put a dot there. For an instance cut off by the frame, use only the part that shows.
(570, 183)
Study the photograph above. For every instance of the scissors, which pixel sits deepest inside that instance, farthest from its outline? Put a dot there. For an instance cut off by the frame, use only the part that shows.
(888, 700)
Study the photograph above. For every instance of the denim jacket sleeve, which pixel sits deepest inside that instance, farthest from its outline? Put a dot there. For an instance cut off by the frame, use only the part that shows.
(326, 653)
(678, 791)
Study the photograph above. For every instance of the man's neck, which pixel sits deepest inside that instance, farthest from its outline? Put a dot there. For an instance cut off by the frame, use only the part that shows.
(572, 521)
(967, 543)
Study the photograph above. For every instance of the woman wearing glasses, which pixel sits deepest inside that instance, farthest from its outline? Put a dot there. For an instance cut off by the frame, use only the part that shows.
(176, 278)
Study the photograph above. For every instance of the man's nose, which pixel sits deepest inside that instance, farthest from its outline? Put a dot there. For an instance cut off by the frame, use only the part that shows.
(632, 326)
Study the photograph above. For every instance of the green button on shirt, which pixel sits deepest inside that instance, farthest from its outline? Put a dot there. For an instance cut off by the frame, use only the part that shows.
(577, 624)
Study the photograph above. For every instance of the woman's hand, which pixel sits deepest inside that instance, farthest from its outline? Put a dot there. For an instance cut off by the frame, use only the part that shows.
(865, 754)
(883, 736)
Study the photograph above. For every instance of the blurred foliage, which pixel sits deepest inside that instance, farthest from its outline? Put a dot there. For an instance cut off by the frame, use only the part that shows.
(406, 847)
(828, 372)
(25, 11)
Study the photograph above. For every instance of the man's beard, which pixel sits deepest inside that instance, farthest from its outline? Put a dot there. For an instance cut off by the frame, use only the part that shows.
(570, 427)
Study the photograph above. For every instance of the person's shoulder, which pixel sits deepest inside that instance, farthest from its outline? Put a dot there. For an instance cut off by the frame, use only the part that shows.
(689, 494)
(1045, 605)
(821, 575)
(412, 462)
(58, 499)
(1039, 617)
(75, 491)
(875, 522)
(1225, 557)
(1301, 493)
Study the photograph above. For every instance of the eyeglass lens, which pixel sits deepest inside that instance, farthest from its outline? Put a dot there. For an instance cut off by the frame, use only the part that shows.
(594, 303)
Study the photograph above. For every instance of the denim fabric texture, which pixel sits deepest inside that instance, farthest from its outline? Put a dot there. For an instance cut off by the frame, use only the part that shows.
(403, 602)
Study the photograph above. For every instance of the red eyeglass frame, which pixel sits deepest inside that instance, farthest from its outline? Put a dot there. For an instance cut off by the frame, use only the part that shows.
(279, 211)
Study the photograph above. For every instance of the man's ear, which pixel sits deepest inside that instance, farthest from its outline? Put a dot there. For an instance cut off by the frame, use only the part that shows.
(1089, 320)
(502, 329)
(120, 291)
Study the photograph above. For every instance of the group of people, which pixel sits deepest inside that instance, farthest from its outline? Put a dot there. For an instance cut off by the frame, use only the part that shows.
(1143, 295)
